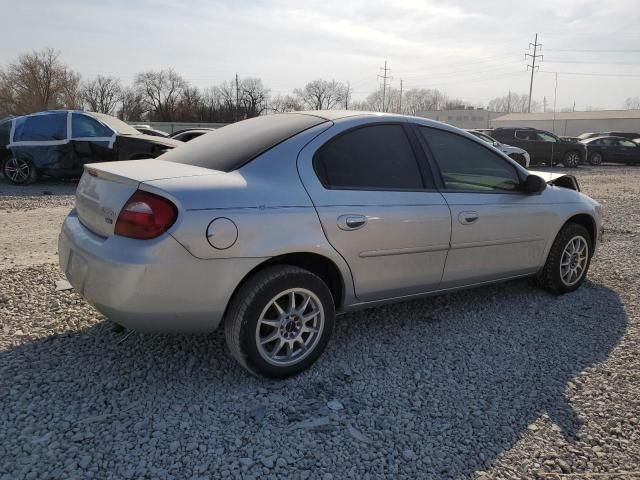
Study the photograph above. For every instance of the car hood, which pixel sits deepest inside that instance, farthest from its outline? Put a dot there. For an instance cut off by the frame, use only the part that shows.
(549, 176)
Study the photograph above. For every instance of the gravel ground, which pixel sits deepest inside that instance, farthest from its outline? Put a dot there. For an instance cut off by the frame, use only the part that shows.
(499, 382)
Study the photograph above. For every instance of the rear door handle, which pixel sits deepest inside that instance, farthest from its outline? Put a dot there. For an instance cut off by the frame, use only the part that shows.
(467, 218)
(351, 222)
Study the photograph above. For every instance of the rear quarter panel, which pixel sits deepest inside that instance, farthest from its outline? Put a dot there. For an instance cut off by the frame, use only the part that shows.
(266, 201)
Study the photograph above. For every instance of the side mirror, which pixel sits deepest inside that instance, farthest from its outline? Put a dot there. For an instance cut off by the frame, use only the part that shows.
(534, 184)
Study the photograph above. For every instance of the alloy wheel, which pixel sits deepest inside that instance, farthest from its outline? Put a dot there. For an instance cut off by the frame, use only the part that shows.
(17, 170)
(596, 159)
(572, 159)
(289, 327)
(573, 262)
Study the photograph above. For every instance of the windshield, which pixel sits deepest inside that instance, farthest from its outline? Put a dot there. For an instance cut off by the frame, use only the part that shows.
(547, 137)
(116, 124)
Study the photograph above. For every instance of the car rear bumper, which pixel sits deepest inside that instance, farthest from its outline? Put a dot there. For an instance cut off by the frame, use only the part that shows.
(148, 285)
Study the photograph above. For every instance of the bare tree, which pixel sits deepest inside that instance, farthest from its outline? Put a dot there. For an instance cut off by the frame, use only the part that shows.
(38, 81)
(102, 94)
(512, 103)
(191, 106)
(322, 94)
(253, 97)
(416, 100)
(287, 103)
(132, 105)
(161, 92)
(632, 103)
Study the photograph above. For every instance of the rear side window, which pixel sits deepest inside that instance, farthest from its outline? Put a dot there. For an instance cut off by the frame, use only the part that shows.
(377, 157)
(237, 144)
(41, 127)
(469, 166)
(83, 126)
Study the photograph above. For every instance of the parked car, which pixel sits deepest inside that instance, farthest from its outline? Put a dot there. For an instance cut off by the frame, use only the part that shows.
(187, 134)
(543, 146)
(147, 130)
(58, 143)
(629, 135)
(518, 154)
(275, 224)
(612, 149)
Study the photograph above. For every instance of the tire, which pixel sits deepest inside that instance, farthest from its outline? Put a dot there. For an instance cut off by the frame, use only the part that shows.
(551, 276)
(595, 158)
(253, 318)
(571, 159)
(18, 171)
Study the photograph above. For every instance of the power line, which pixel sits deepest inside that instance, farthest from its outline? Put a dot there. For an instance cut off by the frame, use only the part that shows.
(585, 74)
(535, 56)
(384, 83)
(593, 51)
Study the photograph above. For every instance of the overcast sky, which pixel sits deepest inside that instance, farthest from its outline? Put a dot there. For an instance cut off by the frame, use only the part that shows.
(467, 48)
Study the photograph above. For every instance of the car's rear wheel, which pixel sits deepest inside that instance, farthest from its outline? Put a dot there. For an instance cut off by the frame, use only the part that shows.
(595, 158)
(571, 159)
(19, 171)
(568, 261)
(279, 322)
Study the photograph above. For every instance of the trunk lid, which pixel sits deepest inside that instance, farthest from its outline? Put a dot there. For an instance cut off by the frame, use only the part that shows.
(105, 188)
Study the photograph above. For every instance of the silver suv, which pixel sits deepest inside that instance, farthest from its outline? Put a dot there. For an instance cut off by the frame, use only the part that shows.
(273, 225)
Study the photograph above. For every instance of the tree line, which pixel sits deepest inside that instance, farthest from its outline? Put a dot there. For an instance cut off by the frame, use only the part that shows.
(39, 81)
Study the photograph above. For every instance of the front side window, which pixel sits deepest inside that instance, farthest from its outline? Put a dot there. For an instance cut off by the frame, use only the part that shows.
(42, 127)
(377, 157)
(525, 135)
(469, 166)
(83, 126)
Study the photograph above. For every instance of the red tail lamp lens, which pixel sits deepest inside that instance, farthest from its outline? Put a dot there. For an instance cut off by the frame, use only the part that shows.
(145, 216)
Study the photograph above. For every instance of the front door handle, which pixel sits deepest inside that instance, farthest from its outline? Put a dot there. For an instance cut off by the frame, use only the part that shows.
(351, 222)
(467, 218)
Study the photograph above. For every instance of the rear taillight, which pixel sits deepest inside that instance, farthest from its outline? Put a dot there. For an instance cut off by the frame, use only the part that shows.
(145, 216)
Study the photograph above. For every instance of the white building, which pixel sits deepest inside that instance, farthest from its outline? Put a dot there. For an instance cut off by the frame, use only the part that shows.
(574, 123)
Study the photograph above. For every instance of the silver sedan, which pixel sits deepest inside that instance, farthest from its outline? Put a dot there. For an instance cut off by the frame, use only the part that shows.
(273, 225)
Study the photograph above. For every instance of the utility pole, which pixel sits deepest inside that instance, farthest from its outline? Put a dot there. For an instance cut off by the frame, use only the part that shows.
(509, 102)
(544, 104)
(237, 99)
(400, 109)
(533, 67)
(384, 77)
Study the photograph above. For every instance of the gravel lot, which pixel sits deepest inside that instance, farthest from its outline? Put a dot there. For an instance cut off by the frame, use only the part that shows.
(500, 382)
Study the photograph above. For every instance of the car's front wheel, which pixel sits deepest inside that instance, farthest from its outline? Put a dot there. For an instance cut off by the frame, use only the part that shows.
(19, 171)
(568, 261)
(571, 159)
(279, 322)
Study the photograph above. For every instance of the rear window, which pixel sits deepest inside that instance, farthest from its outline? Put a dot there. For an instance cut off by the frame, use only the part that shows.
(236, 144)
(42, 127)
(115, 124)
